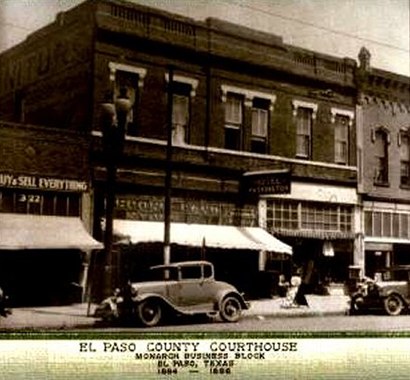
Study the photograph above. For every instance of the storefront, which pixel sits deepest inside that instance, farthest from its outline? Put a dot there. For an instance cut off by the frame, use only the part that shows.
(387, 235)
(216, 230)
(319, 222)
(44, 244)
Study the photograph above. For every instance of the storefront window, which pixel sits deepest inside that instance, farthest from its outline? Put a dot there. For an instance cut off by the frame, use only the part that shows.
(23, 202)
(293, 215)
(387, 224)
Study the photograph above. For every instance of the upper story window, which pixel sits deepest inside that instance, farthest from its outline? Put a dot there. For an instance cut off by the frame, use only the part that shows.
(233, 121)
(237, 101)
(381, 141)
(404, 140)
(183, 90)
(342, 120)
(260, 122)
(305, 113)
(130, 79)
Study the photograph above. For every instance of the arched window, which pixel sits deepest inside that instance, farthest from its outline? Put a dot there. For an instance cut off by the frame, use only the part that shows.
(381, 142)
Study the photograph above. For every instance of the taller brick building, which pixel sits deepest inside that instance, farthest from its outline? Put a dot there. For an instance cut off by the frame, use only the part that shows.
(246, 106)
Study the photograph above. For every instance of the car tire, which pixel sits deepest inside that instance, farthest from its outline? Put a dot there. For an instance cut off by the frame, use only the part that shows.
(149, 312)
(393, 304)
(230, 309)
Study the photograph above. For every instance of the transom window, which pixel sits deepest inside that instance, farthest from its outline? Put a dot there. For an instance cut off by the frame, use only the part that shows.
(32, 202)
(387, 224)
(313, 216)
(233, 121)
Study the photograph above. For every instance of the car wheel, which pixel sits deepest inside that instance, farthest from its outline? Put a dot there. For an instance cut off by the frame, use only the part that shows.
(393, 305)
(230, 309)
(149, 312)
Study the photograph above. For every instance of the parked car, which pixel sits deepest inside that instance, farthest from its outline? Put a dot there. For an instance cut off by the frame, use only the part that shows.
(389, 292)
(181, 288)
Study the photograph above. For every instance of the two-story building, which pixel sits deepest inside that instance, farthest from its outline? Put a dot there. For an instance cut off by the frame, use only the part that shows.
(263, 135)
(384, 152)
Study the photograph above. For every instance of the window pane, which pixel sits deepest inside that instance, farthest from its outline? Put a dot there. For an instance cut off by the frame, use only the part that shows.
(341, 138)
(259, 122)
(303, 131)
(381, 170)
(232, 138)
(368, 223)
(386, 224)
(233, 110)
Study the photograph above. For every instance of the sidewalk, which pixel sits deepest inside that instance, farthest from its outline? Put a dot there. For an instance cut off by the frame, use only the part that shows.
(75, 316)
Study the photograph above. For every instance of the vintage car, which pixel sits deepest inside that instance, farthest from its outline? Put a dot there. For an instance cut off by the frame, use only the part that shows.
(181, 288)
(389, 292)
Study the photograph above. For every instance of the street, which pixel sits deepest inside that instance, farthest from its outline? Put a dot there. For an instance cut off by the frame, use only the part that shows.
(364, 323)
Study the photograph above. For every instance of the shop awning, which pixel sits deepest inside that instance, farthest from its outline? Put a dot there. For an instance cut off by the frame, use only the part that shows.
(21, 231)
(197, 235)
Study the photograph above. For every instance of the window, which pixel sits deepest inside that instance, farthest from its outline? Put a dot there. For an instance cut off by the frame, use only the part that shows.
(303, 132)
(129, 79)
(32, 202)
(309, 216)
(233, 121)
(341, 139)
(180, 119)
(404, 158)
(381, 144)
(260, 121)
(183, 90)
(387, 224)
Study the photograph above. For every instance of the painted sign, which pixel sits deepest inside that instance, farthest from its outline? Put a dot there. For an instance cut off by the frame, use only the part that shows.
(41, 183)
(267, 182)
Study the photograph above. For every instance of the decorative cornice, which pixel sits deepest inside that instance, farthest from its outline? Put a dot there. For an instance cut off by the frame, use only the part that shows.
(248, 94)
(304, 104)
(193, 82)
(140, 71)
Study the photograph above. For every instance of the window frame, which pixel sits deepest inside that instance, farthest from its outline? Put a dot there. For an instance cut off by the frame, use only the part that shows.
(381, 170)
(140, 73)
(404, 161)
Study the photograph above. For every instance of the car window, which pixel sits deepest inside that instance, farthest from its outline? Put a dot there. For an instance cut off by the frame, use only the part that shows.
(158, 274)
(193, 272)
(207, 271)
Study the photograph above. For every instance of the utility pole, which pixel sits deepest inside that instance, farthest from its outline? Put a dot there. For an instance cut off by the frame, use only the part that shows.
(168, 172)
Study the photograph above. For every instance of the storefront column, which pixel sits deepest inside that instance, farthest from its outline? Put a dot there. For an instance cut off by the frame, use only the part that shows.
(262, 207)
(359, 250)
(87, 200)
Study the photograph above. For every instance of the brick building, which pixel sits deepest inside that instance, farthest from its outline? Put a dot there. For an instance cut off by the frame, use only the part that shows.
(246, 107)
(45, 209)
(384, 150)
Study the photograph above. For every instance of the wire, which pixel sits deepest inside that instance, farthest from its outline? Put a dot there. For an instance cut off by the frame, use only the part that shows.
(264, 11)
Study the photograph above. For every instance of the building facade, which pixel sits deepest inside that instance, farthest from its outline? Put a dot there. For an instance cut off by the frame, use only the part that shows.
(45, 208)
(246, 110)
(384, 150)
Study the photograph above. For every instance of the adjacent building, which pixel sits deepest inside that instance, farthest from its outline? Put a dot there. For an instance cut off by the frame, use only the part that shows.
(383, 115)
(263, 135)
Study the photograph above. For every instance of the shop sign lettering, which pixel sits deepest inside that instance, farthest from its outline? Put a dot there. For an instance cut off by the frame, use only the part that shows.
(186, 210)
(268, 183)
(41, 183)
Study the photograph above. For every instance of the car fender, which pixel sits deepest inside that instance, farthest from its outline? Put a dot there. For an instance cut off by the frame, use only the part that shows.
(390, 292)
(223, 294)
(140, 298)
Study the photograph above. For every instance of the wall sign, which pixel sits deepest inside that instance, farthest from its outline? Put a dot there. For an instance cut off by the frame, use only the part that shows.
(41, 183)
(267, 182)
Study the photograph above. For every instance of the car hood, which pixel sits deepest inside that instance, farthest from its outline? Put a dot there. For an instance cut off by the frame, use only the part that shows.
(150, 285)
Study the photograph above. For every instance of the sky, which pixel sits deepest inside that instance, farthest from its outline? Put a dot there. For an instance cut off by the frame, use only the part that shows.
(335, 27)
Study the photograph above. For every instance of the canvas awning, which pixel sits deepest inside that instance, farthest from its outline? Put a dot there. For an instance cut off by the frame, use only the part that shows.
(22, 231)
(196, 235)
